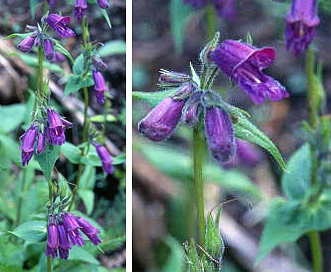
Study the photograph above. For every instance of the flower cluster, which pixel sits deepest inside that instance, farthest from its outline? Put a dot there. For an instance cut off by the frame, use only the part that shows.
(81, 6)
(243, 63)
(105, 158)
(41, 38)
(63, 233)
(224, 8)
(301, 22)
(100, 86)
(50, 130)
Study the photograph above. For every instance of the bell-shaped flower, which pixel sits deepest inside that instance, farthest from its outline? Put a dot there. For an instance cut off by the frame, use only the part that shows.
(52, 239)
(219, 134)
(26, 45)
(59, 24)
(64, 243)
(244, 63)
(41, 145)
(89, 230)
(301, 22)
(72, 227)
(49, 49)
(105, 157)
(27, 146)
(80, 8)
(99, 86)
(55, 129)
(103, 4)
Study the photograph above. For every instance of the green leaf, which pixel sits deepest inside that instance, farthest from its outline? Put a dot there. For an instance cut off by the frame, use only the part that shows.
(48, 159)
(174, 262)
(296, 181)
(33, 61)
(78, 67)
(59, 48)
(22, 35)
(88, 199)
(33, 231)
(71, 152)
(195, 76)
(112, 48)
(76, 82)
(33, 6)
(119, 159)
(105, 14)
(11, 149)
(193, 259)
(11, 117)
(214, 242)
(153, 98)
(245, 130)
(88, 178)
(178, 18)
(101, 118)
(79, 254)
(11, 268)
(91, 158)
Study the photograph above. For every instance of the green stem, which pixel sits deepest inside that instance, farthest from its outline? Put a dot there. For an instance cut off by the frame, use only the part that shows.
(316, 251)
(198, 158)
(49, 264)
(20, 200)
(210, 21)
(41, 74)
(313, 102)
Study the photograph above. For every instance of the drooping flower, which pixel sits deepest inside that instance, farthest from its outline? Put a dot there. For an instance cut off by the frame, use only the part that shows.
(41, 143)
(103, 4)
(49, 49)
(244, 63)
(192, 109)
(89, 230)
(80, 8)
(52, 238)
(72, 227)
(105, 158)
(225, 8)
(98, 63)
(55, 129)
(27, 146)
(219, 134)
(197, 3)
(162, 120)
(64, 243)
(59, 24)
(301, 22)
(99, 86)
(26, 45)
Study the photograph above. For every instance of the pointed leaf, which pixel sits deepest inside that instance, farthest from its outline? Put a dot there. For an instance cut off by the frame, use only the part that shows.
(48, 159)
(153, 98)
(33, 231)
(106, 16)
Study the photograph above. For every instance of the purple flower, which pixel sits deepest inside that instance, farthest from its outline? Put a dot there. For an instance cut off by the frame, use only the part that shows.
(162, 120)
(64, 243)
(103, 4)
(26, 45)
(90, 231)
(301, 22)
(41, 143)
(58, 23)
(49, 49)
(27, 146)
(98, 63)
(196, 3)
(55, 130)
(72, 227)
(170, 78)
(192, 109)
(244, 63)
(219, 134)
(105, 157)
(59, 57)
(99, 86)
(225, 8)
(80, 8)
(52, 239)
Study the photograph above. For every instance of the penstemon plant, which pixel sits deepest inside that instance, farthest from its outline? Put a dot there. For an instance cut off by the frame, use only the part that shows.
(45, 140)
(192, 100)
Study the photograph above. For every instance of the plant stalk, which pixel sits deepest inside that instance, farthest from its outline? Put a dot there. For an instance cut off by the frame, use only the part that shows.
(210, 21)
(198, 158)
(313, 106)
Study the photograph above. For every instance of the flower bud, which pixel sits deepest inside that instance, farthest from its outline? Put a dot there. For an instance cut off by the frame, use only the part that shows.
(27, 146)
(41, 143)
(103, 4)
(26, 45)
(99, 86)
(172, 79)
(98, 63)
(49, 50)
(105, 157)
(80, 8)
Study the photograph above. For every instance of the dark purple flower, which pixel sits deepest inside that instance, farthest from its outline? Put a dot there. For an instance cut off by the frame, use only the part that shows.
(58, 23)
(26, 45)
(27, 146)
(244, 63)
(105, 157)
(192, 109)
(99, 86)
(196, 3)
(219, 134)
(162, 120)
(225, 8)
(55, 130)
(98, 63)
(49, 50)
(72, 228)
(80, 8)
(301, 22)
(58, 57)
(64, 243)
(52, 239)
(90, 231)
(103, 4)
(41, 143)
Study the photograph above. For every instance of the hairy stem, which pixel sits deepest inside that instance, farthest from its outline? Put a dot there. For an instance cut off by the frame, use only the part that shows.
(198, 157)
(314, 238)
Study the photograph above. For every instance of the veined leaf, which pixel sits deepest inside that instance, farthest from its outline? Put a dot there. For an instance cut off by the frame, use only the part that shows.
(34, 231)
(153, 98)
(48, 159)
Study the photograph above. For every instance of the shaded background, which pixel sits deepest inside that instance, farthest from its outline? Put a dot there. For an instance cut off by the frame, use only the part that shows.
(161, 171)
